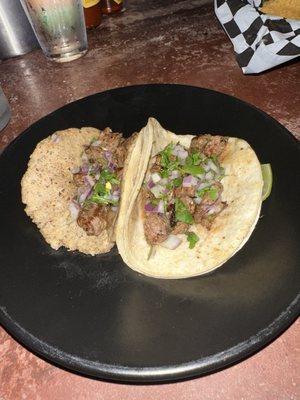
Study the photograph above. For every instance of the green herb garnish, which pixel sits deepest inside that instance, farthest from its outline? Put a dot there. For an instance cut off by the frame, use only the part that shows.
(192, 164)
(193, 169)
(194, 159)
(182, 213)
(212, 191)
(101, 192)
(165, 155)
(192, 238)
(174, 183)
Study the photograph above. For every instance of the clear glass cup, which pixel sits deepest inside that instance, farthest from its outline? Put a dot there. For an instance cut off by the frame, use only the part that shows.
(4, 110)
(59, 26)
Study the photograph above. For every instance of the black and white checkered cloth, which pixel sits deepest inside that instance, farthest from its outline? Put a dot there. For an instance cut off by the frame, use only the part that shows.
(260, 41)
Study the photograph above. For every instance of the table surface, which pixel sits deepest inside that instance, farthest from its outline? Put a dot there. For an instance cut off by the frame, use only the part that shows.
(170, 41)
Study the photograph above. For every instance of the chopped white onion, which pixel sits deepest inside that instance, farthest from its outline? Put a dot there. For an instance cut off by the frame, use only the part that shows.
(164, 181)
(88, 179)
(75, 170)
(176, 149)
(212, 166)
(209, 176)
(172, 242)
(197, 200)
(84, 157)
(115, 196)
(155, 177)
(157, 190)
(212, 210)
(175, 174)
(206, 166)
(84, 195)
(96, 143)
(189, 181)
(182, 154)
(74, 210)
(160, 207)
(55, 138)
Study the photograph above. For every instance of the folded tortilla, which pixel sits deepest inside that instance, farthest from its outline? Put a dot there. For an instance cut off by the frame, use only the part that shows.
(48, 187)
(230, 231)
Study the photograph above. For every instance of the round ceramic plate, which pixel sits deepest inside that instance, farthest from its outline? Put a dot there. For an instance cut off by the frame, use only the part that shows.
(96, 316)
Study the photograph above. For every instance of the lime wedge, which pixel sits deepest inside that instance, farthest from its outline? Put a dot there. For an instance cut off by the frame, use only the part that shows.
(268, 180)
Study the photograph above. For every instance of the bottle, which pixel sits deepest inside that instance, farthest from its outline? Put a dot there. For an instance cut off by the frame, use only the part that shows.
(92, 13)
(112, 6)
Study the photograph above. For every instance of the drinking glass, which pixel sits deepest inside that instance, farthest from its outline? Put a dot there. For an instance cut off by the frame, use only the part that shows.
(4, 110)
(59, 27)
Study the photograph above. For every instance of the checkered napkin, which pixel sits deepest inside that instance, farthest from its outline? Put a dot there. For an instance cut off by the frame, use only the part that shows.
(260, 41)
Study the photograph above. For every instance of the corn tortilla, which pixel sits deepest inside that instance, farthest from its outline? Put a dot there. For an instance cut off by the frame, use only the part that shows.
(230, 231)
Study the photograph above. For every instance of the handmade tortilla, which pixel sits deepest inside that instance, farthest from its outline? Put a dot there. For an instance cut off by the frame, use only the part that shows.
(230, 231)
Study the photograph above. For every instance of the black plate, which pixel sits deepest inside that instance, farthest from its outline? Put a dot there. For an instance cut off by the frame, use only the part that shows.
(96, 316)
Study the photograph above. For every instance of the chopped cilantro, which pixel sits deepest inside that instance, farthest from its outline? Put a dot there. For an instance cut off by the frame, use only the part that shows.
(108, 176)
(101, 193)
(192, 164)
(168, 161)
(96, 198)
(194, 159)
(174, 183)
(213, 193)
(182, 213)
(165, 155)
(211, 190)
(192, 238)
(193, 169)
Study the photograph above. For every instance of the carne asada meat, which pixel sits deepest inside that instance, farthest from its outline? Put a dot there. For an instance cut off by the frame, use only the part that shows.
(98, 182)
(92, 219)
(184, 189)
(156, 228)
(209, 145)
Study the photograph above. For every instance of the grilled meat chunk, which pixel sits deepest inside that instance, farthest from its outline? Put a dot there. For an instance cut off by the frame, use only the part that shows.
(209, 145)
(156, 228)
(91, 219)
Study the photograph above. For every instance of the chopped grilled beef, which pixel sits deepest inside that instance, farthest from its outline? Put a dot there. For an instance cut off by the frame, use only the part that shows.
(185, 191)
(119, 155)
(180, 227)
(156, 228)
(206, 211)
(171, 215)
(198, 143)
(78, 179)
(156, 167)
(215, 146)
(110, 140)
(209, 145)
(96, 154)
(92, 219)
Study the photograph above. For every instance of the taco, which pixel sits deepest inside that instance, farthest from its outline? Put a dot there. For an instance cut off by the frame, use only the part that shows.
(198, 202)
(73, 185)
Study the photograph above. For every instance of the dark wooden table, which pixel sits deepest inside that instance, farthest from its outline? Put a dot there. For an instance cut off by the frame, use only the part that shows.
(170, 41)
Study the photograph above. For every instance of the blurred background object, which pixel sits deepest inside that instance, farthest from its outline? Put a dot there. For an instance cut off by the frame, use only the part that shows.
(4, 110)
(92, 13)
(112, 6)
(59, 26)
(16, 34)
